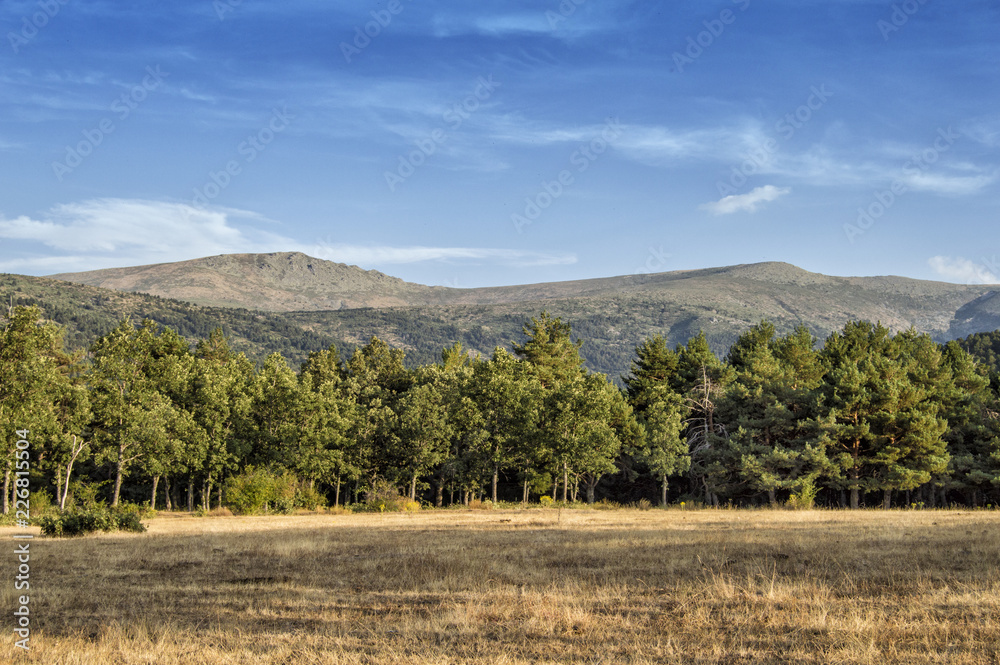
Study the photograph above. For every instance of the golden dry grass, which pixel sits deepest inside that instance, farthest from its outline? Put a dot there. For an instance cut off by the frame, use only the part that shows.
(522, 587)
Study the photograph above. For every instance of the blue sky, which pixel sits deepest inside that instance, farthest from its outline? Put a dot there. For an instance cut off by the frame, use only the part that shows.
(488, 143)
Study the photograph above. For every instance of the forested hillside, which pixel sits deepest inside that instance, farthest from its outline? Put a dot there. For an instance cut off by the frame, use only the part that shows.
(88, 312)
(612, 316)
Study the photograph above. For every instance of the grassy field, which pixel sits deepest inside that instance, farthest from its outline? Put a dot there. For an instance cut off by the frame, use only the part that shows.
(534, 586)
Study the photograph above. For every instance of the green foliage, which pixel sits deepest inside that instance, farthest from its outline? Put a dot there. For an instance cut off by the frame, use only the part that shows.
(86, 495)
(804, 498)
(82, 522)
(383, 497)
(248, 492)
(870, 412)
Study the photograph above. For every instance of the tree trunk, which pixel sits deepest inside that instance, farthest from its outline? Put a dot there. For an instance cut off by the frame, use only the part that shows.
(220, 495)
(496, 477)
(118, 482)
(152, 501)
(771, 497)
(166, 492)
(524, 493)
(886, 499)
(59, 485)
(336, 496)
(190, 496)
(76, 450)
(663, 493)
(591, 484)
(565, 483)
(439, 496)
(65, 492)
(413, 488)
(6, 490)
(855, 473)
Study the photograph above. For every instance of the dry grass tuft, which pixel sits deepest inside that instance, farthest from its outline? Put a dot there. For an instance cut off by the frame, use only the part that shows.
(512, 587)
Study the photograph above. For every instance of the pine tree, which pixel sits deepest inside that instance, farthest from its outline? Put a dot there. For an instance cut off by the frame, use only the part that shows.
(550, 349)
(768, 408)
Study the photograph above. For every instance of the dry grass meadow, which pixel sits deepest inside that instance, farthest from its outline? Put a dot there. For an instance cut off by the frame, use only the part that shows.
(534, 586)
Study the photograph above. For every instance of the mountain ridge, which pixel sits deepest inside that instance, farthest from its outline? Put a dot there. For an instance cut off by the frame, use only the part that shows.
(293, 281)
(345, 305)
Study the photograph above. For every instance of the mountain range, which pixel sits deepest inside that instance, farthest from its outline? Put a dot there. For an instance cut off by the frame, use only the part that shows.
(290, 301)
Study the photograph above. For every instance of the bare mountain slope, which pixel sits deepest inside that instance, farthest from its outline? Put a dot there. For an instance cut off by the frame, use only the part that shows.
(723, 299)
(280, 282)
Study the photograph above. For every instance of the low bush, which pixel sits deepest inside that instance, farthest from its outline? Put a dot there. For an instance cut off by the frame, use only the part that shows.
(81, 522)
(260, 490)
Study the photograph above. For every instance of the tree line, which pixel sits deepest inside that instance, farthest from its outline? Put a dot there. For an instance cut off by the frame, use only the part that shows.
(863, 418)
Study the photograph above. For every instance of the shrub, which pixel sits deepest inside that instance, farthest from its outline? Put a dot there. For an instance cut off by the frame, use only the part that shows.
(142, 510)
(382, 497)
(642, 504)
(283, 493)
(805, 497)
(546, 501)
(250, 491)
(309, 498)
(40, 503)
(81, 522)
(84, 496)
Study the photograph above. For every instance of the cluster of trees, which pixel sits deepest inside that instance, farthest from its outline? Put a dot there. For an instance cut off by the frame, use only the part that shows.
(867, 414)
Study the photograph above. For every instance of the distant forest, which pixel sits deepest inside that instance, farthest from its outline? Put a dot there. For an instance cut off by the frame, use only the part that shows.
(148, 414)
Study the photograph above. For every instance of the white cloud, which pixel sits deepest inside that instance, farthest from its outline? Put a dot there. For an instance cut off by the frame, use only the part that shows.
(114, 232)
(106, 233)
(383, 255)
(958, 269)
(747, 202)
(948, 185)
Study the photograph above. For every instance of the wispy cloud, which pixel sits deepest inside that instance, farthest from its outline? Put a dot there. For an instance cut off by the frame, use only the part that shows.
(958, 269)
(985, 130)
(109, 232)
(746, 202)
(385, 255)
(104, 233)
